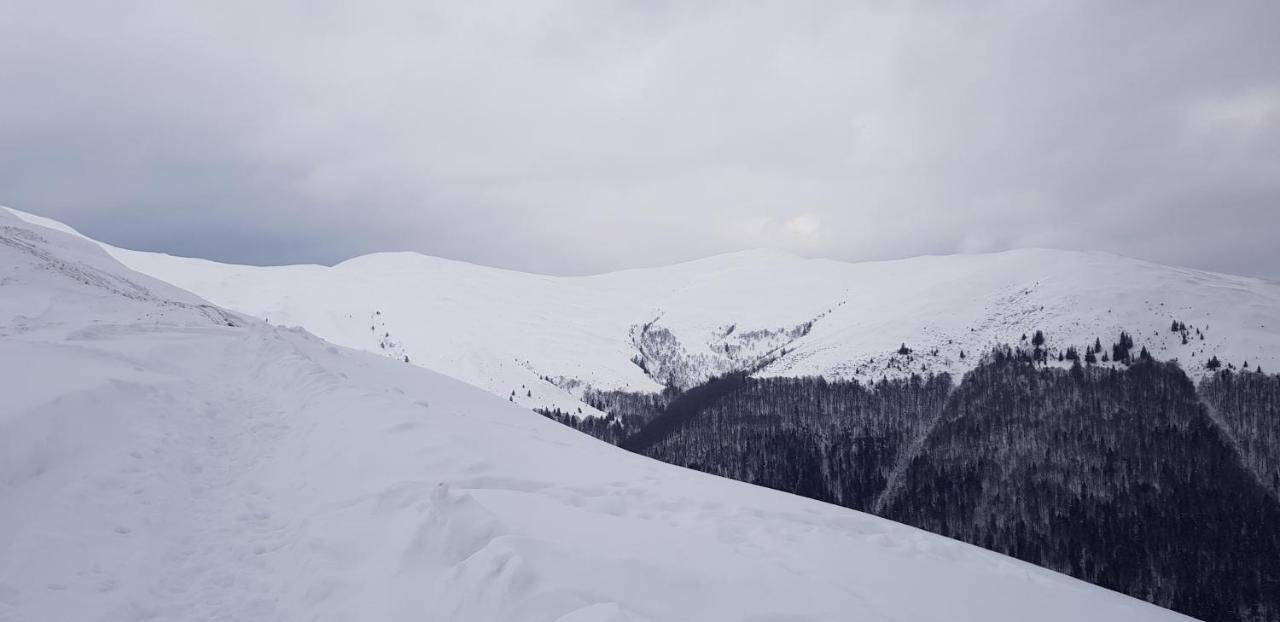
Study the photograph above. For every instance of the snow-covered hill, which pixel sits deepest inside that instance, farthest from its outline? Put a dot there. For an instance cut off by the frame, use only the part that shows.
(539, 340)
(161, 459)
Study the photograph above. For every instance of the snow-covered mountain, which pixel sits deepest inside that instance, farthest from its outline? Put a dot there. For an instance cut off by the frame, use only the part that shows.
(540, 340)
(163, 459)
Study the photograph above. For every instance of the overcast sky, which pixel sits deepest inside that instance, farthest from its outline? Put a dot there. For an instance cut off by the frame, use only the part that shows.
(578, 137)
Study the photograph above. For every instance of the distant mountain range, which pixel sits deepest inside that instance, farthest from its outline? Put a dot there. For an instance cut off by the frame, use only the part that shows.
(544, 341)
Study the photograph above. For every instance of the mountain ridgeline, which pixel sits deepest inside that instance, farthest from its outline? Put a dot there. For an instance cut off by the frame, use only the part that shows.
(1127, 476)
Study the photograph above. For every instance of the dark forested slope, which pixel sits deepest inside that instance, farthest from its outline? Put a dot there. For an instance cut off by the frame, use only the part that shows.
(834, 441)
(1247, 405)
(1115, 476)
(1126, 476)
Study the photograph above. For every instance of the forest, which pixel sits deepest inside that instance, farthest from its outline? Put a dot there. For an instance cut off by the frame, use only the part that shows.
(1128, 476)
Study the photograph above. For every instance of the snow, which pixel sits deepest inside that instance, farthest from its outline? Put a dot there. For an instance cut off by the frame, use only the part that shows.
(508, 331)
(163, 460)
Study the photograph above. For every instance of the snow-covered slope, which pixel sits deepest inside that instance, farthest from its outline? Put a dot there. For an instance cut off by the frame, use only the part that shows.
(163, 460)
(509, 332)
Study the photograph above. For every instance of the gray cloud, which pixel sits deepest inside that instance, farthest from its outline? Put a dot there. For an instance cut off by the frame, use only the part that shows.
(575, 137)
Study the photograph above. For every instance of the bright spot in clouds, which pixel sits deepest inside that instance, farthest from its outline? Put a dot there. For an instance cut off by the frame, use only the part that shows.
(805, 226)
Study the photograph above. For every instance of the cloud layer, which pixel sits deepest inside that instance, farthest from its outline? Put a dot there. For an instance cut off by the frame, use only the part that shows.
(576, 137)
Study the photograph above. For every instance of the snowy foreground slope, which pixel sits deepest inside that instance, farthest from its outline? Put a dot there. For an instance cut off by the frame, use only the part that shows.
(163, 460)
(541, 340)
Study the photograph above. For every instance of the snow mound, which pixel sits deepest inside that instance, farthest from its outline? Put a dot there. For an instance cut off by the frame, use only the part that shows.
(163, 460)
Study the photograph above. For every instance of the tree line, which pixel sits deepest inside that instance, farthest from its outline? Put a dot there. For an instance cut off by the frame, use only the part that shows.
(1130, 476)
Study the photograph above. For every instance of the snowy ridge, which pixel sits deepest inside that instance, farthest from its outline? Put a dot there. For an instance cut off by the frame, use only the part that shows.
(781, 315)
(158, 463)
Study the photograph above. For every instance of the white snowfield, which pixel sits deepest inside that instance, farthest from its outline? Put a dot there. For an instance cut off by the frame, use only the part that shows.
(508, 332)
(161, 459)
